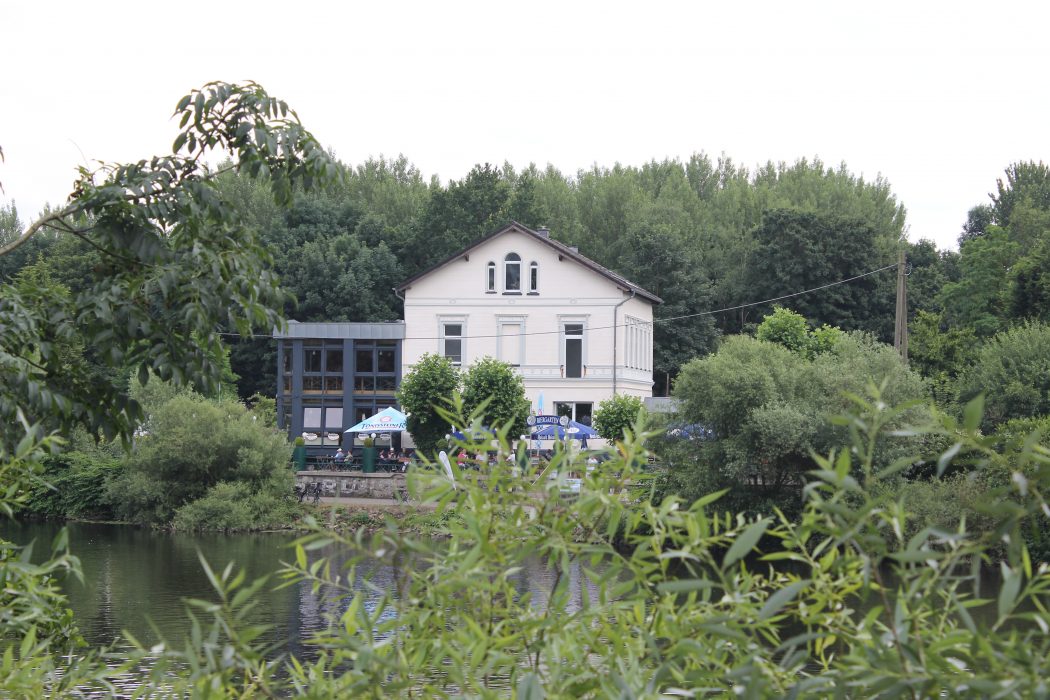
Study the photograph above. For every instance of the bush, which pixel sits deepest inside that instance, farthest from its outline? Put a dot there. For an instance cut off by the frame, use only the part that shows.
(189, 445)
(1012, 370)
(618, 414)
(75, 485)
(236, 506)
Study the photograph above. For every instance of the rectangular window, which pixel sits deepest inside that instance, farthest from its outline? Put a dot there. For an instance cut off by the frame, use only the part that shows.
(573, 349)
(288, 385)
(385, 384)
(510, 337)
(385, 360)
(286, 360)
(333, 418)
(452, 342)
(311, 383)
(513, 277)
(578, 411)
(312, 418)
(312, 360)
(490, 282)
(364, 361)
(333, 361)
(534, 278)
(364, 384)
(333, 384)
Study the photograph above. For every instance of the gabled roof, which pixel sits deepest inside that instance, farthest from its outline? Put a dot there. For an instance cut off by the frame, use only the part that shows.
(562, 250)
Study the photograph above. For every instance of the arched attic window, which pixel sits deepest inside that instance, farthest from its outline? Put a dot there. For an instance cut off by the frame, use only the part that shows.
(534, 277)
(490, 277)
(512, 273)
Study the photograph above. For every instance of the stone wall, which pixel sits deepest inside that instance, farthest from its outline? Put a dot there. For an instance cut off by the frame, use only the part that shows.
(355, 485)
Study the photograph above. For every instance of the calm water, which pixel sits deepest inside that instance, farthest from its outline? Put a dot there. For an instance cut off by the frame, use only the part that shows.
(133, 576)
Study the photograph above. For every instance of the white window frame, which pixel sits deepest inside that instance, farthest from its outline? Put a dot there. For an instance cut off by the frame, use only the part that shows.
(534, 282)
(462, 322)
(572, 320)
(507, 262)
(501, 322)
(490, 277)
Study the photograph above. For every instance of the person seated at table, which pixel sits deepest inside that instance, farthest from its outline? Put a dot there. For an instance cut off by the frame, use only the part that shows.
(340, 456)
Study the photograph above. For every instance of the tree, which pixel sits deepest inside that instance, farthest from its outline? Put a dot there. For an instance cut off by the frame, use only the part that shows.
(796, 251)
(980, 298)
(176, 265)
(1026, 181)
(618, 414)
(495, 393)
(1012, 370)
(429, 385)
(189, 445)
(766, 408)
(791, 330)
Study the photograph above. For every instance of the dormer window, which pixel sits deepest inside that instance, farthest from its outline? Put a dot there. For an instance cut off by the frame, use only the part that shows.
(512, 273)
(534, 277)
(490, 278)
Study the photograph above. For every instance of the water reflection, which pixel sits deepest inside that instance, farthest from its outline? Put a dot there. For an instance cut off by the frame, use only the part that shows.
(136, 579)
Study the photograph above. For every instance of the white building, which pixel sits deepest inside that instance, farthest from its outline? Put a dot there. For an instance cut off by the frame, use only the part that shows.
(578, 332)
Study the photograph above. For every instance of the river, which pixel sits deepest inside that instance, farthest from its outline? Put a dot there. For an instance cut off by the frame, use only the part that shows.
(136, 576)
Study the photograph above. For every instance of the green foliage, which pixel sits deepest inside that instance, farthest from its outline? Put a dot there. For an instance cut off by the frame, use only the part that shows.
(174, 265)
(790, 329)
(495, 393)
(232, 506)
(1026, 182)
(75, 486)
(429, 385)
(190, 444)
(767, 407)
(618, 414)
(796, 250)
(1012, 370)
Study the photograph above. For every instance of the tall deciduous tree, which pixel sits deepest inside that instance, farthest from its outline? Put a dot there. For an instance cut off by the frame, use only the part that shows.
(176, 264)
(493, 391)
(428, 386)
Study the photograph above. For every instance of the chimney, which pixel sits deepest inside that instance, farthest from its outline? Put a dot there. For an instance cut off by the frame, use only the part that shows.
(544, 232)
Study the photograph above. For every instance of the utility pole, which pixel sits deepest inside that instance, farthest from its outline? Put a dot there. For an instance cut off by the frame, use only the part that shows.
(900, 330)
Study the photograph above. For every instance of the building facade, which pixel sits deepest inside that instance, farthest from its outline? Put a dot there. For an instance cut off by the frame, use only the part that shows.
(334, 375)
(577, 332)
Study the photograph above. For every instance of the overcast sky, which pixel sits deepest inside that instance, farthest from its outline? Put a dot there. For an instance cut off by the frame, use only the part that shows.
(938, 97)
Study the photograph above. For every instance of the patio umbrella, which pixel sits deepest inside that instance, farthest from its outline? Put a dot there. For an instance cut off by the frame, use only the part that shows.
(575, 430)
(473, 434)
(389, 420)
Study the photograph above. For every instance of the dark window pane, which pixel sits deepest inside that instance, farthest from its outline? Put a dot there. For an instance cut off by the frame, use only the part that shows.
(385, 361)
(385, 384)
(563, 409)
(333, 362)
(386, 344)
(583, 413)
(573, 329)
(490, 283)
(454, 350)
(364, 384)
(455, 329)
(286, 360)
(364, 361)
(513, 281)
(287, 385)
(311, 383)
(333, 383)
(312, 361)
(573, 357)
(534, 277)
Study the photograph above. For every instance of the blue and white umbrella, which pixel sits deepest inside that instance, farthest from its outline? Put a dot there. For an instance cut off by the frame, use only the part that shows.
(572, 430)
(389, 420)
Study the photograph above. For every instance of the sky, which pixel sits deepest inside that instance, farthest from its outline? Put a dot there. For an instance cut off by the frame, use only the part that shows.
(937, 97)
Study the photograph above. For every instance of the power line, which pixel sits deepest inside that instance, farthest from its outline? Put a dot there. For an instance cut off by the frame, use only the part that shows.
(655, 321)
